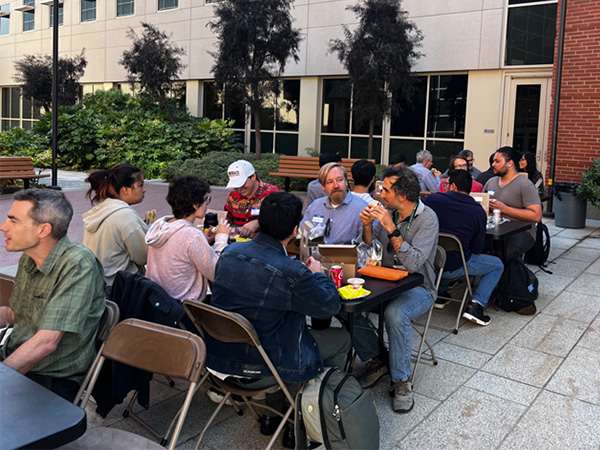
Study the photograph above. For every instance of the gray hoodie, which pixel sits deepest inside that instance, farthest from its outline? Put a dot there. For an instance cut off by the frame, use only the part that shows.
(115, 233)
(180, 258)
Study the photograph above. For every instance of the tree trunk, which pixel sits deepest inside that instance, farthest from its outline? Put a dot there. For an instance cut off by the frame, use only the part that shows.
(165, 104)
(370, 144)
(257, 144)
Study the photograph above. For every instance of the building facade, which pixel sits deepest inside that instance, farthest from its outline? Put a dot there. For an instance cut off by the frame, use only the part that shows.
(485, 79)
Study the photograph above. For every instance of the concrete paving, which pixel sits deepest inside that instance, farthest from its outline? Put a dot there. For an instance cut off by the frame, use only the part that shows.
(523, 382)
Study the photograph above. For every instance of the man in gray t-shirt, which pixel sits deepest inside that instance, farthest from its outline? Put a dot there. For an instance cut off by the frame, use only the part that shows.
(516, 197)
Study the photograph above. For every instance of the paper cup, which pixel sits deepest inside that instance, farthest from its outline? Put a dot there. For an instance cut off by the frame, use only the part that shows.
(356, 282)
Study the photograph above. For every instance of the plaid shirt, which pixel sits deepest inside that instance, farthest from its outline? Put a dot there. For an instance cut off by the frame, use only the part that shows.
(241, 210)
(66, 294)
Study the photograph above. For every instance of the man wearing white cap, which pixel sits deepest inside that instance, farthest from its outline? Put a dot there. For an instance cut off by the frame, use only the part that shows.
(243, 203)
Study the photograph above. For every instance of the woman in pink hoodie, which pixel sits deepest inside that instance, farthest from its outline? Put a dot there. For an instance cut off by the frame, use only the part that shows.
(180, 256)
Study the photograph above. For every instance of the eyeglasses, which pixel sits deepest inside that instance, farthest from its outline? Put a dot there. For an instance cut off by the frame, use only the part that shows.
(207, 200)
(460, 166)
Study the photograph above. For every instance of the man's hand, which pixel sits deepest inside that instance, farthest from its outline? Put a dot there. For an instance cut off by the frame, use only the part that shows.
(382, 214)
(366, 217)
(249, 229)
(7, 317)
(497, 204)
(314, 265)
(436, 173)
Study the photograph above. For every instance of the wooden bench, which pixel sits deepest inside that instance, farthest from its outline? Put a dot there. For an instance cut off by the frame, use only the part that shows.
(305, 167)
(18, 168)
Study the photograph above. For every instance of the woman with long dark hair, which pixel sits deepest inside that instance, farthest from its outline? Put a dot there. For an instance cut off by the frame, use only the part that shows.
(527, 164)
(112, 228)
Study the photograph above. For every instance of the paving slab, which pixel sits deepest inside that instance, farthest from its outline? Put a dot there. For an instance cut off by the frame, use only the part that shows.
(439, 382)
(555, 253)
(558, 241)
(577, 233)
(594, 268)
(567, 267)
(470, 419)
(552, 284)
(591, 337)
(550, 334)
(590, 242)
(514, 391)
(579, 376)
(461, 355)
(574, 306)
(524, 365)
(581, 254)
(556, 422)
(587, 283)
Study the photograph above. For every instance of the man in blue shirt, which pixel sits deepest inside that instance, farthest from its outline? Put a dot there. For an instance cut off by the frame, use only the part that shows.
(459, 214)
(314, 189)
(428, 180)
(338, 212)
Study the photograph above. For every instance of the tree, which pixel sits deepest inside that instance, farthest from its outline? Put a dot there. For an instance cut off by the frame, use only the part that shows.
(34, 73)
(255, 40)
(153, 62)
(378, 56)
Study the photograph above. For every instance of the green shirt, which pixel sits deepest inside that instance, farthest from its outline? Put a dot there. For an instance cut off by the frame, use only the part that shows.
(66, 294)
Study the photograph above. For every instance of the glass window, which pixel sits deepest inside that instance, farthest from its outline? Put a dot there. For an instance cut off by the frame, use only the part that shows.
(29, 16)
(17, 111)
(60, 15)
(288, 106)
(447, 106)
(410, 120)
(336, 107)
(530, 33)
(88, 10)
(124, 8)
(359, 148)
(5, 20)
(167, 4)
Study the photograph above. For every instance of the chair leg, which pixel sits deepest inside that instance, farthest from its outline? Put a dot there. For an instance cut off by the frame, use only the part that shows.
(212, 417)
(423, 340)
(460, 311)
(280, 427)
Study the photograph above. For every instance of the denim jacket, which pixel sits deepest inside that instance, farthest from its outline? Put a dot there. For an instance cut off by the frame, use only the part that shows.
(259, 281)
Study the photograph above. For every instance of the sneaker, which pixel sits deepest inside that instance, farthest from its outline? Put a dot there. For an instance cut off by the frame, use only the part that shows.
(403, 400)
(474, 313)
(217, 397)
(374, 372)
(440, 303)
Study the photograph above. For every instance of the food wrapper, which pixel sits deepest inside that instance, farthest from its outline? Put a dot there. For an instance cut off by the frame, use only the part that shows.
(349, 293)
(150, 217)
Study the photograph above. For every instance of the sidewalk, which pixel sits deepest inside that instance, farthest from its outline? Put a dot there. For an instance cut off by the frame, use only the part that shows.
(523, 382)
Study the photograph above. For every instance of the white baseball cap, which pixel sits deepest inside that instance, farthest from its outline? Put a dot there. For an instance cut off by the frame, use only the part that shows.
(238, 173)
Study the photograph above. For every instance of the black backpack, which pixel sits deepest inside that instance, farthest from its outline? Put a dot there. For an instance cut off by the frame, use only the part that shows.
(518, 288)
(538, 254)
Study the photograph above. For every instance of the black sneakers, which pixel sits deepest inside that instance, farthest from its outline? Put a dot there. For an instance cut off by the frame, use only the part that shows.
(474, 313)
(440, 303)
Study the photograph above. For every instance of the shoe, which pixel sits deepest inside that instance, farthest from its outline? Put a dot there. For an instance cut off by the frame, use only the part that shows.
(289, 439)
(474, 313)
(217, 397)
(527, 311)
(440, 303)
(374, 372)
(403, 400)
(269, 424)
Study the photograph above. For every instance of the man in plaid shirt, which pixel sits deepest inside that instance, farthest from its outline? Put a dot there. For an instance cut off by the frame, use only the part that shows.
(243, 203)
(58, 296)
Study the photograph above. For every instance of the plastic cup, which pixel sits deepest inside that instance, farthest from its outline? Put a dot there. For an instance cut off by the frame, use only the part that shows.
(356, 282)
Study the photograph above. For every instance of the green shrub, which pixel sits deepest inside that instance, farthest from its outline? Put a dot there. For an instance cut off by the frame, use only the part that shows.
(589, 189)
(213, 168)
(18, 142)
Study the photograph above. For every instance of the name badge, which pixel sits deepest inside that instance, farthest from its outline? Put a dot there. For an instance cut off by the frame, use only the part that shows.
(255, 211)
(317, 219)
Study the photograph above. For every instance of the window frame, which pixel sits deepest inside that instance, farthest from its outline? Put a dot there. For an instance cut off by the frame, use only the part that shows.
(82, 10)
(123, 3)
(165, 8)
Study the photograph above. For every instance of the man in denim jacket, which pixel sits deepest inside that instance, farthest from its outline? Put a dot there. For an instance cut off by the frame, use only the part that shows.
(258, 280)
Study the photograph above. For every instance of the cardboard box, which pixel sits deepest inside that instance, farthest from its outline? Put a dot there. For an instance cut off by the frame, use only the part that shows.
(342, 255)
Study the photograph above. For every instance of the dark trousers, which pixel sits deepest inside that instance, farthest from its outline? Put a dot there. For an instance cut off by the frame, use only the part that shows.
(67, 389)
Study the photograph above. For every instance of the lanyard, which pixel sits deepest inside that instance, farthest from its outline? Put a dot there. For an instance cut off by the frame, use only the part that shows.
(412, 216)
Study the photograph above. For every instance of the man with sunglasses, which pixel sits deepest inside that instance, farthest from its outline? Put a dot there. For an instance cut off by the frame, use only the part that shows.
(243, 203)
(408, 231)
(339, 211)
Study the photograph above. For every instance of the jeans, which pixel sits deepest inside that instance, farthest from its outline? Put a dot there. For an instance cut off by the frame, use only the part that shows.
(407, 306)
(486, 269)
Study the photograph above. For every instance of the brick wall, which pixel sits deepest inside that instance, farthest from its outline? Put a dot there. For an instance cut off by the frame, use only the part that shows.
(578, 142)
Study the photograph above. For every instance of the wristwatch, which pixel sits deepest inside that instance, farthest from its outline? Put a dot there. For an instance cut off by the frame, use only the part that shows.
(395, 233)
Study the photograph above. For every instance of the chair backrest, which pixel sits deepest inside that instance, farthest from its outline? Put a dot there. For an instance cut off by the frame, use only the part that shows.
(157, 349)
(222, 325)
(483, 198)
(438, 265)
(451, 243)
(109, 320)
(6, 286)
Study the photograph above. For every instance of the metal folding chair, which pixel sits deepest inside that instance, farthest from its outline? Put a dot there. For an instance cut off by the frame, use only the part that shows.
(451, 243)
(154, 348)
(438, 264)
(231, 327)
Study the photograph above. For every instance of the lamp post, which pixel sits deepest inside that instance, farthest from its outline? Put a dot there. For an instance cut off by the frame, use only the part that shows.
(55, 96)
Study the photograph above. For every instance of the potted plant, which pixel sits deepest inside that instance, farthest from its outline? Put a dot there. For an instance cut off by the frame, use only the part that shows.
(589, 189)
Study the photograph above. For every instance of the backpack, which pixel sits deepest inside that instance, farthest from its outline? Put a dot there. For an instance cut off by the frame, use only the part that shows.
(538, 254)
(334, 412)
(518, 288)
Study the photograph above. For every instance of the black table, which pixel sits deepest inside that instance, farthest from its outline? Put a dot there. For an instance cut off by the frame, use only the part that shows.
(381, 292)
(32, 416)
(500, 233)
